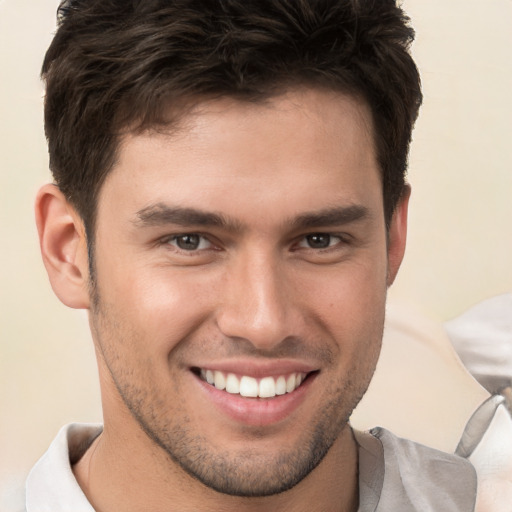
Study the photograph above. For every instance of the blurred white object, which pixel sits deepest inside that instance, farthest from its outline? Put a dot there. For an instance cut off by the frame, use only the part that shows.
(482, 336)
(420, 391)
(487, 443)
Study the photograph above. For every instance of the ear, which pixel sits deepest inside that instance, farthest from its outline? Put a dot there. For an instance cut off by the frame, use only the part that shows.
(63, 247)
(397, 235)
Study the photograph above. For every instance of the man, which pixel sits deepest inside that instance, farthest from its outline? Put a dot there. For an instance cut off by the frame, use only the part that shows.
(230, 207)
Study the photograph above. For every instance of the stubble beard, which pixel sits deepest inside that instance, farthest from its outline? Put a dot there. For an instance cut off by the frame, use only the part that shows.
(245, 473)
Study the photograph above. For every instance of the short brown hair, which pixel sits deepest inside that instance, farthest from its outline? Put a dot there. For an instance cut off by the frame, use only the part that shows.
(115, 64)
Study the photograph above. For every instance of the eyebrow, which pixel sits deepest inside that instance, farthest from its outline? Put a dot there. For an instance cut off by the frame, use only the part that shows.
(335, 216)
(161, 214)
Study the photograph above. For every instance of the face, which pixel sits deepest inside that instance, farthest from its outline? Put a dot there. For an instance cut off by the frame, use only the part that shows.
(241, 273)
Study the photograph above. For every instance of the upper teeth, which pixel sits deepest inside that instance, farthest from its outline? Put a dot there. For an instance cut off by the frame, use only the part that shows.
(266, 387)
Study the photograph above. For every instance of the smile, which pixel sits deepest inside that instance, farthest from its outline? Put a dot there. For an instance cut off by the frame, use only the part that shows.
(250, 387)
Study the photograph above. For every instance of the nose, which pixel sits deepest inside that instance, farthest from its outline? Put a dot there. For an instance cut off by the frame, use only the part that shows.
(258, 304)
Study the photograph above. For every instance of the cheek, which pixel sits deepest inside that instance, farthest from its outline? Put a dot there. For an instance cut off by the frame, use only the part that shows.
(351, 296)
(155, 308)
(350, 305)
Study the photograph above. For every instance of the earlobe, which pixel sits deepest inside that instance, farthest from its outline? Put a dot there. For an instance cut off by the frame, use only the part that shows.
(397, 235)
(63, 247)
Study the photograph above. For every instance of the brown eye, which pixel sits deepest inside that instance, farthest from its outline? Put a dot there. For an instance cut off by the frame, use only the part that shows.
(190, 242)
(318, 241)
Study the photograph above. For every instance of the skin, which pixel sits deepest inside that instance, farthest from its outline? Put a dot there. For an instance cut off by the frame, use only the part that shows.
(256, 295)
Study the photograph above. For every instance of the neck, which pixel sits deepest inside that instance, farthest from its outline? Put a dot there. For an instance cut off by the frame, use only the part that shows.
(125, 470)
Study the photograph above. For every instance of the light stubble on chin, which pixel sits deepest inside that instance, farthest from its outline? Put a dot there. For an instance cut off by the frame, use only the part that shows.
(247, 473)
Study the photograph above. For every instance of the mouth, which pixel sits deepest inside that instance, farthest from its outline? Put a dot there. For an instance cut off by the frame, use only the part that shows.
(255, 395)
(251, 387)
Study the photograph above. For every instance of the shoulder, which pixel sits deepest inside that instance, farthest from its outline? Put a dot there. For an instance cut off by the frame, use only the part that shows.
(414, 477)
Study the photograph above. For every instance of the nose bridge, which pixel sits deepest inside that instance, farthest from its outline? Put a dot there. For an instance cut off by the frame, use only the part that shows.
(256, 305)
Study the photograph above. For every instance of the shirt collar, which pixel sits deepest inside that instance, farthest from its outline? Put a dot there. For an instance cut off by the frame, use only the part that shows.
(51, 485)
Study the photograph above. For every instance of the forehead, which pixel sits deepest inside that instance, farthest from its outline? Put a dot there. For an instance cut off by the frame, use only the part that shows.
(299, 149)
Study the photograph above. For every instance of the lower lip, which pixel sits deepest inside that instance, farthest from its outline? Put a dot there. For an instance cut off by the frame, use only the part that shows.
(257, 412)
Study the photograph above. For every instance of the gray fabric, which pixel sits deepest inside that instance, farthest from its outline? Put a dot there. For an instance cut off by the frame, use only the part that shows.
(478, 425)
(371, 470)
(415, 478)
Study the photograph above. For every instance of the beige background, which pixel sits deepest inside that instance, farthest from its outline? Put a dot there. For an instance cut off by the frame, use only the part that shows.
(460, 243)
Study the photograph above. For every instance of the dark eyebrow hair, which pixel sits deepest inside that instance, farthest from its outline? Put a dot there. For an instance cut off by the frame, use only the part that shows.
(332, 217)
(161, 214)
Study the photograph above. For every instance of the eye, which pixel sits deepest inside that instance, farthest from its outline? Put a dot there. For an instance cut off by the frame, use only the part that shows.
(319, 241)
(189, 242)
